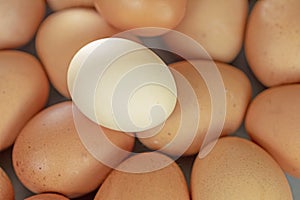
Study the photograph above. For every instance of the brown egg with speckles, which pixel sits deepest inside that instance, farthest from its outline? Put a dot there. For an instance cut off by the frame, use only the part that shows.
(272, 42)
(272, 121)
(24, 90)
(238, 169)
(62, 34)
(237, 89)
(6, 188)
(47, 196)
(135, 178)
(49, 156)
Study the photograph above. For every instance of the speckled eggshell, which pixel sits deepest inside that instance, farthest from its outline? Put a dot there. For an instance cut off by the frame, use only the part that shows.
(167, 183)
(24, 90)
(272, 42)
(238, 95)
(48, 155)
(272, 121)
(238, 169)
(6, 188)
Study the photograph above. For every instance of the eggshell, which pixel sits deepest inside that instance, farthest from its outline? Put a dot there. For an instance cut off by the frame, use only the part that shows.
(47, 196)
(166, 183)
(24, 91)
(62, 34)
(218, 26)
(238, 169)
(272, 41)
(273, 122)
(6, 188)
(131, 14)
(48, 155)
(111, 66)
(19, 21)
(238, 95)
(63, 4)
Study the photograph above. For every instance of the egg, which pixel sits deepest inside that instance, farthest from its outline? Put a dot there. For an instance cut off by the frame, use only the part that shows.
(19, 21)
(47, 196)
(49, 156)
(272, 121)
(64, 4)
(166, 183)
(272, 42)
(62, 34)
(237, 89)
(213, 25)
(238, 169)
(6, 188)
(24, 90)
(119, 84)
(131, 14)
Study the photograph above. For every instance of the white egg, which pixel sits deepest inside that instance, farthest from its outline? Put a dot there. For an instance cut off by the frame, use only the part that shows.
(121, 85)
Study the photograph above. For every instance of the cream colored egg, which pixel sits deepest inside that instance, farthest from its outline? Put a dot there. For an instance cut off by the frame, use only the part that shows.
(63, 4)
(218, 26)
(272, 42)
(238, 94)
(49, 156)
(6, 188)
(19, 20)
(167, 183)
(238, 169)
(62, 34)
(121, 85)
(47, 196)
(273, 122)
(24, 90)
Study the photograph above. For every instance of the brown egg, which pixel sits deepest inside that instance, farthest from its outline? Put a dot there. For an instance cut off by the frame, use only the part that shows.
(216, 25)
(19, 21)
(47, 196)
(48, 155)
(62, 34)
(24, 91)
(63, 4)
(272, 121)
(167, 183)
(272, 42)
(238, 169)
(6, 188)
(130, 14)
(238, 95)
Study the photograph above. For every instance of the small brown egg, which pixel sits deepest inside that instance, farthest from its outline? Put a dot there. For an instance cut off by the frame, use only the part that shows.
(6, 188)
(272, 121)
(47, 196)
(63, 4)
(238, 169)
(167, 183)
(62, 34)
(218, 26)
(49, 156)
(19, 21)
(238, 95)
(272, 42)
(24, 90)
(131, 14)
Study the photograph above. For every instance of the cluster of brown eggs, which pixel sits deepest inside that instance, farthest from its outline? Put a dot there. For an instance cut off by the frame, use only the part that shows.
(48, 155)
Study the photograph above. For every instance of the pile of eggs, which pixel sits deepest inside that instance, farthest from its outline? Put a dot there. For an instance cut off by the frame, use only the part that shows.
(157, 99)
